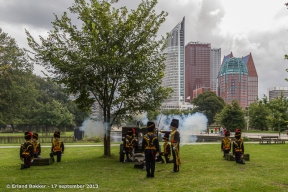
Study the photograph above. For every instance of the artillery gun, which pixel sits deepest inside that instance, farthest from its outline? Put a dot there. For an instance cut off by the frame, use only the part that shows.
(136, 157)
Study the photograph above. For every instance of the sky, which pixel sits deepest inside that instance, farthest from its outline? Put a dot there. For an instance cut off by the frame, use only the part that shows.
(259, 27)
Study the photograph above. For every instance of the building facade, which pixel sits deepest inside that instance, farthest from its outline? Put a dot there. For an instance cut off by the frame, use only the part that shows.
(274, 92)
(234, 83)
(197, 67)
(215, 64)
(174, 72)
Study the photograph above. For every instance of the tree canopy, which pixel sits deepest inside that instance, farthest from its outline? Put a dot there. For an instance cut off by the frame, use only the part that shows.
(209, 104)
(231, 117)
(114, 59)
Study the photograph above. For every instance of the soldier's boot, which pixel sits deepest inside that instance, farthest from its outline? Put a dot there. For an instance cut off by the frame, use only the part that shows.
(148, 174)
(22, 166)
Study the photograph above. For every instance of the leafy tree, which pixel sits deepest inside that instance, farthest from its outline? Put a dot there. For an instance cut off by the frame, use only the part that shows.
(16, 92)
(209, 104)
(231, 117)
(53, 115)
(278, 115)
(258, 115)
(114, 57)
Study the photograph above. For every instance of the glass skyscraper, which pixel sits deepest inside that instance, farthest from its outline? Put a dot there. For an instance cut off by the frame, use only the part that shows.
(175, 66)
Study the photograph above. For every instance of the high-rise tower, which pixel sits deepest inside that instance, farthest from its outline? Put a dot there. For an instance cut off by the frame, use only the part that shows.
(174, 71)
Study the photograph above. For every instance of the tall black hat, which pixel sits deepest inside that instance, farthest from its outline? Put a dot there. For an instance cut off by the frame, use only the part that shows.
(150, 126)
(35, 135)
(57, 134)
(28, 135)
(175, 123)
(166, 136)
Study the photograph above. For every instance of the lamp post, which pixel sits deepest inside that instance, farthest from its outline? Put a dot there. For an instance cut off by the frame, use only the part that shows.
(279, 126)
(248, 119)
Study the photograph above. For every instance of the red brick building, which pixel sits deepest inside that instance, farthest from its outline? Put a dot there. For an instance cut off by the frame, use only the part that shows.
(197, 67)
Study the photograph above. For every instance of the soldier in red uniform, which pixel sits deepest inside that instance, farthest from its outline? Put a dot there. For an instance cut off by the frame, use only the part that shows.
(57, 147)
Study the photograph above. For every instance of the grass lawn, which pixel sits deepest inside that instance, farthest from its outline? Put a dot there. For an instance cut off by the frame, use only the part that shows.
(203, 169)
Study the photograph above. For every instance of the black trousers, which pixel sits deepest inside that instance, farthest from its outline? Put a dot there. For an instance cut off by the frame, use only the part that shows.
(27, 161)
(35, 155)
(58, 153)
(150, 156)
(238, 158)
(175, 167)
(165, 156)
(225, 152)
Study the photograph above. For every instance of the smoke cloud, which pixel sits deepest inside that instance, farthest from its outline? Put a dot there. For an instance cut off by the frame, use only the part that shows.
(93, 128)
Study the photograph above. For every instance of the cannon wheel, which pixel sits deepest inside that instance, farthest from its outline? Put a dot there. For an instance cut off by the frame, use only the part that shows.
(121, 153)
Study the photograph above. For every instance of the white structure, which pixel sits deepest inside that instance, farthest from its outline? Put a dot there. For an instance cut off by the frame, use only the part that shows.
(175, 66)
(215, 64)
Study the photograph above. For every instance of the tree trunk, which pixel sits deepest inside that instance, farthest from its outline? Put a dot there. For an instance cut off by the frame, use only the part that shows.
(107, 147)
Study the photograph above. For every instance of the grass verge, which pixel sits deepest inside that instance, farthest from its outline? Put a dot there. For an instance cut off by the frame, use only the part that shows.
(203, 169)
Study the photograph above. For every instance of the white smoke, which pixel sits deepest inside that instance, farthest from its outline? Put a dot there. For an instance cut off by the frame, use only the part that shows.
(192, 125)
(142, 117)
(189, 125)
(93, 128)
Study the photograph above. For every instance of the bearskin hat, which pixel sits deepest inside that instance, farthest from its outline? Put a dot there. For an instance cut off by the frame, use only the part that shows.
(175, 123)
(57, 134)
(28, 135)
(35, 136)
(150, 126)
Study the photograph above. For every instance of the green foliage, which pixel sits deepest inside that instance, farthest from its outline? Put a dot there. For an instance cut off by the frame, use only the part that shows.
(209, 104)
(24, 96)
(278, 112)
(231, 117)
(114, 57)
(258, 115)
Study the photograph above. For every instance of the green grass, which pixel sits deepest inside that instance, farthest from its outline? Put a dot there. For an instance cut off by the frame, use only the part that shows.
(67, 133)
(203, 169)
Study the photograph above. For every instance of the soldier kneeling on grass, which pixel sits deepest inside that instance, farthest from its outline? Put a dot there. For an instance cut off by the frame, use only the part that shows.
(26, 151)
(238, 147)
(57, 147)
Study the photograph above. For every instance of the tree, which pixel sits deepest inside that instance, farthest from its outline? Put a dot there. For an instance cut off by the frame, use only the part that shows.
(209, 104)
(258, 115)
(114, 57)
(231, 117)
(278, 112)
(53, 115)
(16, 92)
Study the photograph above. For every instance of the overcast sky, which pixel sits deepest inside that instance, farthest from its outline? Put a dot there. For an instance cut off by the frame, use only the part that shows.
(240, 26)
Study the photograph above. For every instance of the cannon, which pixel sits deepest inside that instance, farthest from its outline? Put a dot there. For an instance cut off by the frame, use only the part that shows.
(136, 157)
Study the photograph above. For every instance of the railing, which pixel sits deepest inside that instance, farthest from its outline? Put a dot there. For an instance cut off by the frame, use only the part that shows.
(42, 139)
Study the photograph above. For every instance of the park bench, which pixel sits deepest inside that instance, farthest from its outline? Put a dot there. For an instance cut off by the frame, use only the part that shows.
(269, 140)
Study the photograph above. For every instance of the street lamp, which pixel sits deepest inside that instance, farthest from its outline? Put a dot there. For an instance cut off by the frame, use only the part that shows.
(279, 126)
(248, 119)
